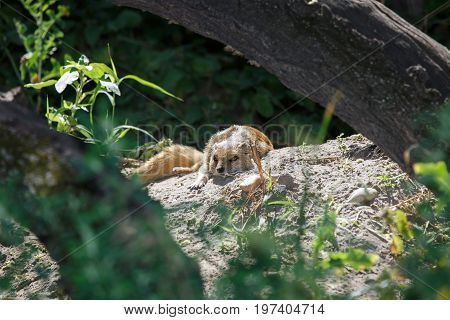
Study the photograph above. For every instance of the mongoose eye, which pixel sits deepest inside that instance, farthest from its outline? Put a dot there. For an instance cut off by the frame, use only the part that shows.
(234, 158)
(215, 159)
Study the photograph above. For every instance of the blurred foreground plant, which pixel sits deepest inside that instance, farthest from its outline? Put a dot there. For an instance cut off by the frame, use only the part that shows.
(272, 263)
(104, 232)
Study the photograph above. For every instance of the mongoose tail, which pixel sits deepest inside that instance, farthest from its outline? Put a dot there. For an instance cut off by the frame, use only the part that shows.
(173, 160)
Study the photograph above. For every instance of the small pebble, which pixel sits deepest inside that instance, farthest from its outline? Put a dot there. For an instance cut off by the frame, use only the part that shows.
(362, 195)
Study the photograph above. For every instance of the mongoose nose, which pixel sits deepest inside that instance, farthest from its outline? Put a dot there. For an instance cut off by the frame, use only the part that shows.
(220, 169)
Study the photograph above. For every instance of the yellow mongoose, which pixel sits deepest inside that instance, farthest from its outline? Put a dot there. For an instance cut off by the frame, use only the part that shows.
(227, 152)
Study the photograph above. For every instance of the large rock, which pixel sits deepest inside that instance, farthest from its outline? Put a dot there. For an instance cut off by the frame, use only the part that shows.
(328, 172)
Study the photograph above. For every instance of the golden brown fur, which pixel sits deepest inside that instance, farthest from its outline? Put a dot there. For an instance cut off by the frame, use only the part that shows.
(227, 152)
(176, 159)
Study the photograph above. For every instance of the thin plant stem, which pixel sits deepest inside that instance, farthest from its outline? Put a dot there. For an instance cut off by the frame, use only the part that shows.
(79, 90)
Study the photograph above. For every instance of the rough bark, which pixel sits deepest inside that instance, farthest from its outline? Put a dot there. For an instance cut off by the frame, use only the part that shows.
(389, 72)
(29, 147)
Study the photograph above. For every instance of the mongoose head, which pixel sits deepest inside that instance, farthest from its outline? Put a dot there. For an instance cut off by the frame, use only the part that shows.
(228, 158)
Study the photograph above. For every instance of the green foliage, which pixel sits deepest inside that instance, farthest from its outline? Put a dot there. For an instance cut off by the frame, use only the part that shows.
(352, 257)
(423, 248)
(40, 85)
(437, 178)
(41, 43)
(270, 266)
(105, 233)
(148, 84)
(427, 264)
(355, 258)
(325, 232)
(258, 273)
(217, 88)
(397, 218)
(387, 181)
(89, 80)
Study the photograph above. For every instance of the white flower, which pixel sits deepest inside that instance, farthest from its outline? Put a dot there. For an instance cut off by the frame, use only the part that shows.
(66, 78)
(83, 60)
(110, 86)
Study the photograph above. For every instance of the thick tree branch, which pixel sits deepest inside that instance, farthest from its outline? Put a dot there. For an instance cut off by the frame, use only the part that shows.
(389, 71)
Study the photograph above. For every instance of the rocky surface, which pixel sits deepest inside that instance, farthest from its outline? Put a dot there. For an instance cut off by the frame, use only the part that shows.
(330, 172)
(26, 269)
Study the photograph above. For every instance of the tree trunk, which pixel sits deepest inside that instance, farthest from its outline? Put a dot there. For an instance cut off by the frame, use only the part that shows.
(389, 72)
(29, 147)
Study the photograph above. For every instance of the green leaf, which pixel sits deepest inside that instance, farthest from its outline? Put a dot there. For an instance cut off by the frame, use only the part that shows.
(74, 65)
(231, 216)
(110, 97)
(67, 105)
(112, 64)
(64, 122)
(402, 225)
(226, 229)
(149, 84)
(98, 70)
(125, 126)
(434, 176)
(269, 183)
(123, 133)
(355, 258)
(40, 85)
(50, 76)
(23, 71)
(52, 116)
(95, 73)
(396, 246)
(119, 134)
(397, 218)
(281, 202)
(325, 232)
(84, 131)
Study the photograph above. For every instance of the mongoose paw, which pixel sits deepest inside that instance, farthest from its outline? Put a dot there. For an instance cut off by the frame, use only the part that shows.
(197, 185)
(178, 170)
